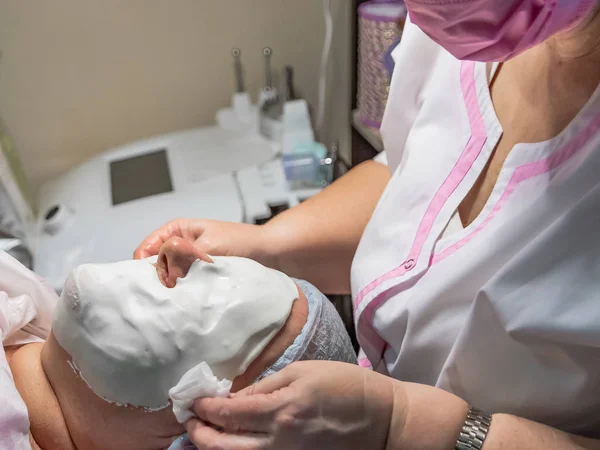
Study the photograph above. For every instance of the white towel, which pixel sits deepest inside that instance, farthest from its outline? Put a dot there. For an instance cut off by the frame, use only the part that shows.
(26, 304)
(198, 382)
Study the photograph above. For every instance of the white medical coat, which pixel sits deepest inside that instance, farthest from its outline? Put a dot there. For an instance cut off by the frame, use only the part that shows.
(504, 313)
(26, 305)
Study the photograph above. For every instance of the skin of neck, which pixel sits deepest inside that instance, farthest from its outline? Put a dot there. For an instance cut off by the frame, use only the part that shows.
(556, 78)
(66, 414)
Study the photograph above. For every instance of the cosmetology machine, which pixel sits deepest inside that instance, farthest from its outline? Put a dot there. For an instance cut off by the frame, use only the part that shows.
(258, 158)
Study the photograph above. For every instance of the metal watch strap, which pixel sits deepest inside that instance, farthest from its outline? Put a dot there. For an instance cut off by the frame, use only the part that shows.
(474, 431)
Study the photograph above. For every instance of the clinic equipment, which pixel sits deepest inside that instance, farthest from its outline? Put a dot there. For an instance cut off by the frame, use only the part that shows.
(285, 119)
(380, 27)
(240, 117)
(271, 116)
(279, 116)
(268, 92)
(311, 165)
(272, 110)
(268, 73)
(297, 126)
(237, 64)
(100, 210)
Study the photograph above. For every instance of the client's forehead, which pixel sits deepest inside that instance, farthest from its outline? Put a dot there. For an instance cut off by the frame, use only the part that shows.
(143, 271)
(132, 269)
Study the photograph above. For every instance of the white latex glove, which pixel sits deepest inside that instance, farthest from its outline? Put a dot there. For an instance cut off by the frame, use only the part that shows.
(211, 236)
(308, 405)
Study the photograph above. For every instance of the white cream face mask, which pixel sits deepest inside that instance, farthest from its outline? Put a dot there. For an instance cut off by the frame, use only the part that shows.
(132, 339)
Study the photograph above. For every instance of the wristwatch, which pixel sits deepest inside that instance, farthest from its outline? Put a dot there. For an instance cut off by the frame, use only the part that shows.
(474, 431)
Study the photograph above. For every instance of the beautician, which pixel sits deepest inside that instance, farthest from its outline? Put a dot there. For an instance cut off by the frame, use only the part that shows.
(473, 257)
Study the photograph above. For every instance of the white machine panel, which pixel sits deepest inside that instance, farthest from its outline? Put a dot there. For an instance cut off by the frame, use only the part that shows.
(92, 213)
(264, 186)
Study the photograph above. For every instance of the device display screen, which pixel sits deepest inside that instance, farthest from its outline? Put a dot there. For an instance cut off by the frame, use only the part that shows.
(140, 176)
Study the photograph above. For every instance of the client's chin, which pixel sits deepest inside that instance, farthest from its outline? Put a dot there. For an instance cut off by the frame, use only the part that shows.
(66, 414)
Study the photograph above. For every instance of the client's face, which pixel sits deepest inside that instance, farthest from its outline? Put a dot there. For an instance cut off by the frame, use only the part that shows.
(132, 329)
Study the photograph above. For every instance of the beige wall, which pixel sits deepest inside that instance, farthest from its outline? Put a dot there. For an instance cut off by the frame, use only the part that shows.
(80, 76)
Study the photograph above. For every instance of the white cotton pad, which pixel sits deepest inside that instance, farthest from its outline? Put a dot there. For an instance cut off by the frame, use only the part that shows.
(198, 382)
(132, 339)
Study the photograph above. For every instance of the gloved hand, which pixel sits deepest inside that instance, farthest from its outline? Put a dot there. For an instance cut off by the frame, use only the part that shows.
(213, 237)
(308, 405)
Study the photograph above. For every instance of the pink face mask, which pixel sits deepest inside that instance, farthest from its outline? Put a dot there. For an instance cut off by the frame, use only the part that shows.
(494, 30)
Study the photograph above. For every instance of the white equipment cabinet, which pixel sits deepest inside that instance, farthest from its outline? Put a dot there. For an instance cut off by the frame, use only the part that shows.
(102, 209)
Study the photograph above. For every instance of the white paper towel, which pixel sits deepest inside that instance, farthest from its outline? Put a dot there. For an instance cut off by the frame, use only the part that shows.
(198, 382)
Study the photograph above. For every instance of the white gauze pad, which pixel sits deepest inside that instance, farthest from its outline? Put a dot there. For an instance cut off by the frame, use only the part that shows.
(132, 339)
(198, 382)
